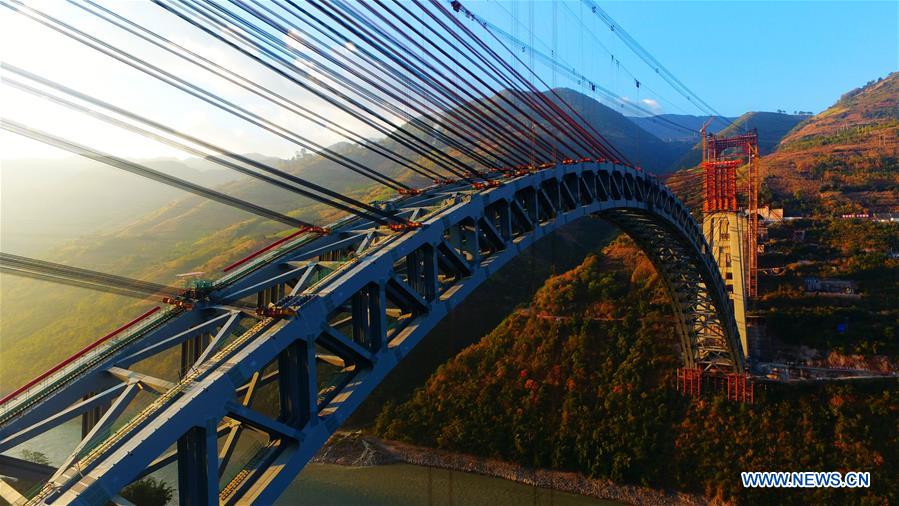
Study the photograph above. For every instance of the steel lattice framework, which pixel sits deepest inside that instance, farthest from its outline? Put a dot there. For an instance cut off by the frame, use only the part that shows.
(347, 308)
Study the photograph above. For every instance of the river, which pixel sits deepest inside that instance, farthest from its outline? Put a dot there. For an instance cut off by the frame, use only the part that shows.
(386, 485)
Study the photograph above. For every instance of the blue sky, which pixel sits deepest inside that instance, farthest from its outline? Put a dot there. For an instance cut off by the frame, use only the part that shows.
(767, 55)
(737, 56)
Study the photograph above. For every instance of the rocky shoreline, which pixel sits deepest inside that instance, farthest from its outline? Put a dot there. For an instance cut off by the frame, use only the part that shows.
(356, 449)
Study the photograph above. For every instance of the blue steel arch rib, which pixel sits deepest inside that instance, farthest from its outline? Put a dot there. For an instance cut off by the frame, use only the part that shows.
(353, 303)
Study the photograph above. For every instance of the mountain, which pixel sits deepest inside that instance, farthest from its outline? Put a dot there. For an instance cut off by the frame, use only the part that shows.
(640, 146)
(661, 126)
(46, 203)
(845, 159)
(771, 126)
(134, 233)
(582, 380)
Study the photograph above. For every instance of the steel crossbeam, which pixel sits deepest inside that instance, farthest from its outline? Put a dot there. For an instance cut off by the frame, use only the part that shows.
(350, 306)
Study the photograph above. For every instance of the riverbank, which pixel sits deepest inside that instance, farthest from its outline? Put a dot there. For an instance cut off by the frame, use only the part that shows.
(355, 449)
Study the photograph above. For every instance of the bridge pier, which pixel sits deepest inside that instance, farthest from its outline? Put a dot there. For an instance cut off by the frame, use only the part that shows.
(725, 232)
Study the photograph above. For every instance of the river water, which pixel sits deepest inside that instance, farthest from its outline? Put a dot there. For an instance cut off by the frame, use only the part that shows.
(387, 485)
(408, 485)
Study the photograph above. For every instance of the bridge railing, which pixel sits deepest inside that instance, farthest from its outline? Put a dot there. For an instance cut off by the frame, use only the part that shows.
(27, 393)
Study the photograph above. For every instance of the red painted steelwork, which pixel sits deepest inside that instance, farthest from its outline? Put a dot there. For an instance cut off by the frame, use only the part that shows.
(720, 185)
(275, 244)
(689, 381)
(77, 355)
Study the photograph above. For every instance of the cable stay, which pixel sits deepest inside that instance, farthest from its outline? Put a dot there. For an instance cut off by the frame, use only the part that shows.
(456, 109)
(246, 84)
(197, 92)
(573, 73)
(408, 101)
(599, 141)
(491, 105)
(393, 134)
(140, 170)
(653, 63)
(79, 277)
(361, 209)
(498, 76)
(366, 115)
(84, 278)
(535, 100)
(444, 97)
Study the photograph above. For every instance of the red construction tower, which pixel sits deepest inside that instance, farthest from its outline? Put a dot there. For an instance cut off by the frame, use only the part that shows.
(721, 156)
(730, 226)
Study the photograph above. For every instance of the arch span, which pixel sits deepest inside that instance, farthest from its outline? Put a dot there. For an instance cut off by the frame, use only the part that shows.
(363, 297)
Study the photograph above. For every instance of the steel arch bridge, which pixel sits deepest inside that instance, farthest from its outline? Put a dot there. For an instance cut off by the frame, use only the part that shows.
(343, 310)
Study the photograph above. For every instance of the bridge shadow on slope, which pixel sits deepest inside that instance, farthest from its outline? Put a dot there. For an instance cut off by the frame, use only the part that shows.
(483, 310)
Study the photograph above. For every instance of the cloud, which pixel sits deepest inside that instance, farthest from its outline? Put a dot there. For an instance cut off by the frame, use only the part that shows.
(652, 105)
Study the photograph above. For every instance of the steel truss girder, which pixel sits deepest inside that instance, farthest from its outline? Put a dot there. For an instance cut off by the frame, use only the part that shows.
(374, 297)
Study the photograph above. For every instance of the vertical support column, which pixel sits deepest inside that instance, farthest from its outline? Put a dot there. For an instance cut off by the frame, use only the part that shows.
(455, 236)
(377, 304)
(90, 417)
(359, 308)
(555, 193)
(753, 210)
(571, 181)
(369, 324)
(414, 270)
(533, 203)
(470, 235)
(431, 288)
(590, 181)
(298, 384)
(505, 220)
(725, 233)
(191, 351)
(212, 461)
(198, 466)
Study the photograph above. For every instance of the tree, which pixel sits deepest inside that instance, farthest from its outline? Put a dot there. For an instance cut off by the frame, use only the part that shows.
(36, 457)
(149, 492)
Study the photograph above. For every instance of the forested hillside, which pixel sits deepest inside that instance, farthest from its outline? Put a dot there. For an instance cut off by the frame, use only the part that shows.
(188, 234)
(842, 160)
(845, 159)
(771, 126)
(582, 380)
(668, 126)
(47, 203)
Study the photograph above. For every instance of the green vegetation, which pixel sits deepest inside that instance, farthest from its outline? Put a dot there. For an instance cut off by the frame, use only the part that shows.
(42, 323)
(593, 392)
(771, 126)
(856, 250)
(35, 457)
(850, 135)
(149, 492)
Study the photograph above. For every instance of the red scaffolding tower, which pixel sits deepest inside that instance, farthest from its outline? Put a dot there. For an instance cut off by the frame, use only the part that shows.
(720, 185)
(689, 381)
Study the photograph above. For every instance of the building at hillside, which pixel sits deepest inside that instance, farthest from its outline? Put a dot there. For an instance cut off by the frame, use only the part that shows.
(823, 285)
